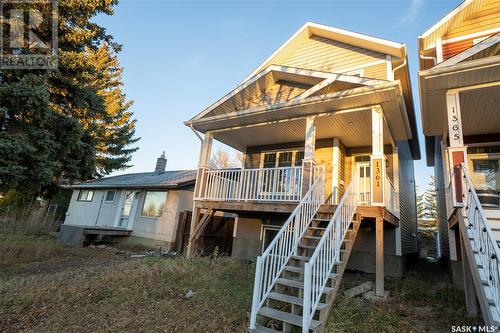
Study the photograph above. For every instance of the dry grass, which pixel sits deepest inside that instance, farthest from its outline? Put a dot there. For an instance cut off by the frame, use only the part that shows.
(96, 290)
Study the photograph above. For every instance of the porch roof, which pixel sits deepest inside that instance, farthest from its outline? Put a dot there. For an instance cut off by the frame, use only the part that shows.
(474, 73)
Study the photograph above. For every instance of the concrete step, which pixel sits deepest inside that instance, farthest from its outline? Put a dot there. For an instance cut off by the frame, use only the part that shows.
(292, 300)
(286, 317)
(299, 284)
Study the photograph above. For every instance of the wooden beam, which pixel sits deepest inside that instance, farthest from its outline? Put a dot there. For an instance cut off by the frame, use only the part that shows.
(269, 207)
(379, 257)
(203, 223)
(469, 289)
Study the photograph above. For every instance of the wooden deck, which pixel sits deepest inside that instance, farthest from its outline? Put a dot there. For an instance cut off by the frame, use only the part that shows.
(234, 207)
(377, 212)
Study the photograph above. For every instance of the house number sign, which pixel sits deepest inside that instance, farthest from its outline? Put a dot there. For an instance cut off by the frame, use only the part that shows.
(377, 181)
(454, 120)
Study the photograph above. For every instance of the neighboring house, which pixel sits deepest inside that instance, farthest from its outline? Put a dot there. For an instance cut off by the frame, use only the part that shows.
(328, 132)
(145, 207)
(459, 91)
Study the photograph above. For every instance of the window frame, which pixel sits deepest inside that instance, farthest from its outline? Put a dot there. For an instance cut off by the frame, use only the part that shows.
(106, 196)
(144, 203)
(80, 197)
(295, 153)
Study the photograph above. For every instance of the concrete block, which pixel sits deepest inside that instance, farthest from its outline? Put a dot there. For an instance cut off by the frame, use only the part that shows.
(358, 290)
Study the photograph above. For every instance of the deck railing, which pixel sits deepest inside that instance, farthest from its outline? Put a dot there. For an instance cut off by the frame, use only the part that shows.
(327, 253)
(273, 184)
(483, 240)
(391, 197)
(271, 263)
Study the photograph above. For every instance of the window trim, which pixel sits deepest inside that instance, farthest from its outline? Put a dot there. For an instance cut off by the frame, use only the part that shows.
(144, 202)
(79, 197)
(294, 152)
(106, 196)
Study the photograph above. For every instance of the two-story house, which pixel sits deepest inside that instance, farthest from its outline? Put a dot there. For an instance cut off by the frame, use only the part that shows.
(459, 81)
(328, 132)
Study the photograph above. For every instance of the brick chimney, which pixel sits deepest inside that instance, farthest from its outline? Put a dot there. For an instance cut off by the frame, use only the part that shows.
(161, 164)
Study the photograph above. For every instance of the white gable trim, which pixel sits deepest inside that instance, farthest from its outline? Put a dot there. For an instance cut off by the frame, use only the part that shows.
(470, 51)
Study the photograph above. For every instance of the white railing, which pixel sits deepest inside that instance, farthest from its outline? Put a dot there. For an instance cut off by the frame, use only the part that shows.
(271, 263)
(483, 240)
(391, 197)
(273, 184)
(327, 253)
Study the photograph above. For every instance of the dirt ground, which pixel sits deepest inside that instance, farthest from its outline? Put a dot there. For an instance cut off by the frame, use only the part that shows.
(47, 287)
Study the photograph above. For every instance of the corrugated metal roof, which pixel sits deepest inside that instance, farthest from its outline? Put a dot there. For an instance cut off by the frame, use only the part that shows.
(167, 179)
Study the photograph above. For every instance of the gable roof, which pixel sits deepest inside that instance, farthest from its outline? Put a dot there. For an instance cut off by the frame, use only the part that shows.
(451, 20)
(348, 37)
(147, 180)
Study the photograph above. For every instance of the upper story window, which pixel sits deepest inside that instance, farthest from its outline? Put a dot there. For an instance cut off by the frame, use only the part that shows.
(154, 203)
(110, 196)
(85, 195)
(284, 158)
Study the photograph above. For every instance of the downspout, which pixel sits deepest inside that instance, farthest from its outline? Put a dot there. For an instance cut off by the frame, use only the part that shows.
(195, 132)
(429, 58)
(400, 66)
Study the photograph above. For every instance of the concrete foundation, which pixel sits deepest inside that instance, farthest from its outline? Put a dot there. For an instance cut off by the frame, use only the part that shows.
(146, 242)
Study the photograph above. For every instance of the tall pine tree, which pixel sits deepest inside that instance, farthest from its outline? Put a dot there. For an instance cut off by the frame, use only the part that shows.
(73, 122)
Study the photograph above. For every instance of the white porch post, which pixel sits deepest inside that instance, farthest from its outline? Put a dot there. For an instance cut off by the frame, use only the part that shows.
(457, 152)
(377, 193)
(335, 170)
(199, 188)
(377, 158)
(309, 148)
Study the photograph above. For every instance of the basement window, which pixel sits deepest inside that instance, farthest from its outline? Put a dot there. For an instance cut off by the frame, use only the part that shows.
(85, 195)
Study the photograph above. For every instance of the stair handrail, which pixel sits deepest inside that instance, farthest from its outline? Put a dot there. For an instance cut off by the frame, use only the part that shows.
(327, 253)
(271, 263)
(483, 240)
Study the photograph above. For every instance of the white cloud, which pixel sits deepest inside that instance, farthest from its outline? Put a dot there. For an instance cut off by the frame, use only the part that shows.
(413, 11)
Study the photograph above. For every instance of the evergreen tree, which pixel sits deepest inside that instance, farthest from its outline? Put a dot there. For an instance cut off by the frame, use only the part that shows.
(430, 202)
(420, 205)
(72, 122)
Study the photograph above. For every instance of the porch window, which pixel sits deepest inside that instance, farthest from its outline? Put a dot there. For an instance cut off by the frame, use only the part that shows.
(283, 180)
(85, 195)
(154, 203)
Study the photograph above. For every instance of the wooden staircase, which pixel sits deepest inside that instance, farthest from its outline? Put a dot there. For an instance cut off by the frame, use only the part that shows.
(282, 310)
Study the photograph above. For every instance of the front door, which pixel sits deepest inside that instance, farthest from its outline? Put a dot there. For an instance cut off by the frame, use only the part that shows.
(364, 183)
(128, 209)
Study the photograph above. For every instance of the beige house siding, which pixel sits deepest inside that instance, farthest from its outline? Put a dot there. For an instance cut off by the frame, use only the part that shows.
(407, 199)
(378, 71)
(485, 18)
(247, 243)
(319, 53)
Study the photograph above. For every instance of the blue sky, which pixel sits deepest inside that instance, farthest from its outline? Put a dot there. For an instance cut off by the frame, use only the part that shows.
(181, 56)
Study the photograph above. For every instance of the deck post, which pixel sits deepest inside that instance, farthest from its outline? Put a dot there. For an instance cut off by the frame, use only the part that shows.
(469, 289)
(377, 159)
(335, 170)
(379, 256)
(309, 148)
(200, 185)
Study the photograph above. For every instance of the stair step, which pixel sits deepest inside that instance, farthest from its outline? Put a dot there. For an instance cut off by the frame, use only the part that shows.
(311, 237)
(299, 284)
(263, 329)
(296, 269)
(292, 300)
(286, 317)
(301, 258)
(312, 247)
(321, 219)
(316, 228)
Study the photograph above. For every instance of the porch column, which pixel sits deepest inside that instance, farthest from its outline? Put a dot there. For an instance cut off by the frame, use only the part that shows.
(457, 152)
(309, 148)
(199, 188)
(335, 170)
(377, 168)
